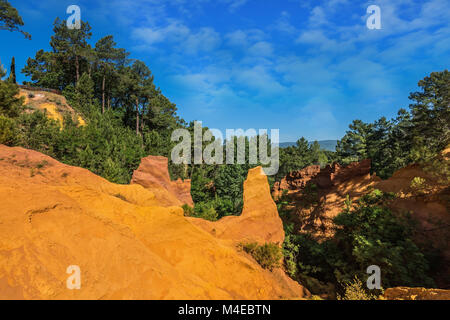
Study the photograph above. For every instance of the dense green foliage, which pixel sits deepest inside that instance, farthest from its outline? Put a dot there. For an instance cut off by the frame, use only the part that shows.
(414, 136)
(366, 234)
(268, 255)
(220, 186)
(10, 108)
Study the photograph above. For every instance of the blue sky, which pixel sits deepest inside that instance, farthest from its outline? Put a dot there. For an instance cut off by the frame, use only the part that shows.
(307, 68)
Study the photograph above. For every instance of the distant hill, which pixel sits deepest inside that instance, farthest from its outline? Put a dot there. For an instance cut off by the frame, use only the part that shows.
(329, 145)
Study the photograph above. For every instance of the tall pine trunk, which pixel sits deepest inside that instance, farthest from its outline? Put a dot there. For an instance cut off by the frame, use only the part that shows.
(142, 118)
(137, 116)
(103, 94)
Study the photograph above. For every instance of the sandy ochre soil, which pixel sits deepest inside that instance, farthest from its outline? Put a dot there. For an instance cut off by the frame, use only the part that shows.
(130, 242)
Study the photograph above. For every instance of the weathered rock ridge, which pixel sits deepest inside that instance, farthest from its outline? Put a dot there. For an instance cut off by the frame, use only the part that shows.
(127, 241)
(153, 174)
(330, 176)
(317, 194)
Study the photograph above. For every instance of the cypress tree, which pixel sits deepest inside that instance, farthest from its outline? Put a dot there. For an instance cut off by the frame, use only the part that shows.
(12, 74)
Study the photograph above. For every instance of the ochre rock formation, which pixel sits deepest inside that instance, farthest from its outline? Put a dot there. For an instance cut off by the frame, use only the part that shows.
(331, 175)
(318, 194)
(153, 173)
(404, 293)
(259, 221)
(127, 244)
(295, 180)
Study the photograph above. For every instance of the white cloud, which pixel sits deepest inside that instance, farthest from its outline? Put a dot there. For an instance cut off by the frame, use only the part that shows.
(284, 24)
(205, 39)
(244, 38)
(261, 48)
(260, 79)
(317, 17)
(174, 31)
(234, 4)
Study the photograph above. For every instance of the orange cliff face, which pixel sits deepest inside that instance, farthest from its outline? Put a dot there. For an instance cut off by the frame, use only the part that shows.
(127, 241)
(317, 195)
(153, 174)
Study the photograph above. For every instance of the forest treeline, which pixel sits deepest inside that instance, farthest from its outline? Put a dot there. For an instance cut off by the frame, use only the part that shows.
(414, 136)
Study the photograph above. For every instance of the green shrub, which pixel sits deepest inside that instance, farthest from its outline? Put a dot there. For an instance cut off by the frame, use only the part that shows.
(290, 252)
(372, 235)
(376, 197)
(419, 185)
(188, 210)
(37, 132)
(205, 210)
(268, 255)
(7, 130)
(355, 290)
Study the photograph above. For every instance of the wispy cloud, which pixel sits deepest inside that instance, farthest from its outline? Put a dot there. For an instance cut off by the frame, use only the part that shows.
(332, 65)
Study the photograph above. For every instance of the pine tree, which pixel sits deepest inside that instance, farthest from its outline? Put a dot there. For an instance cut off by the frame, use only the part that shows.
(431, 112)
(10, 19)
(353, 146)
(68, 60)
(108, 57)
(84, 95)
(70, 44)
